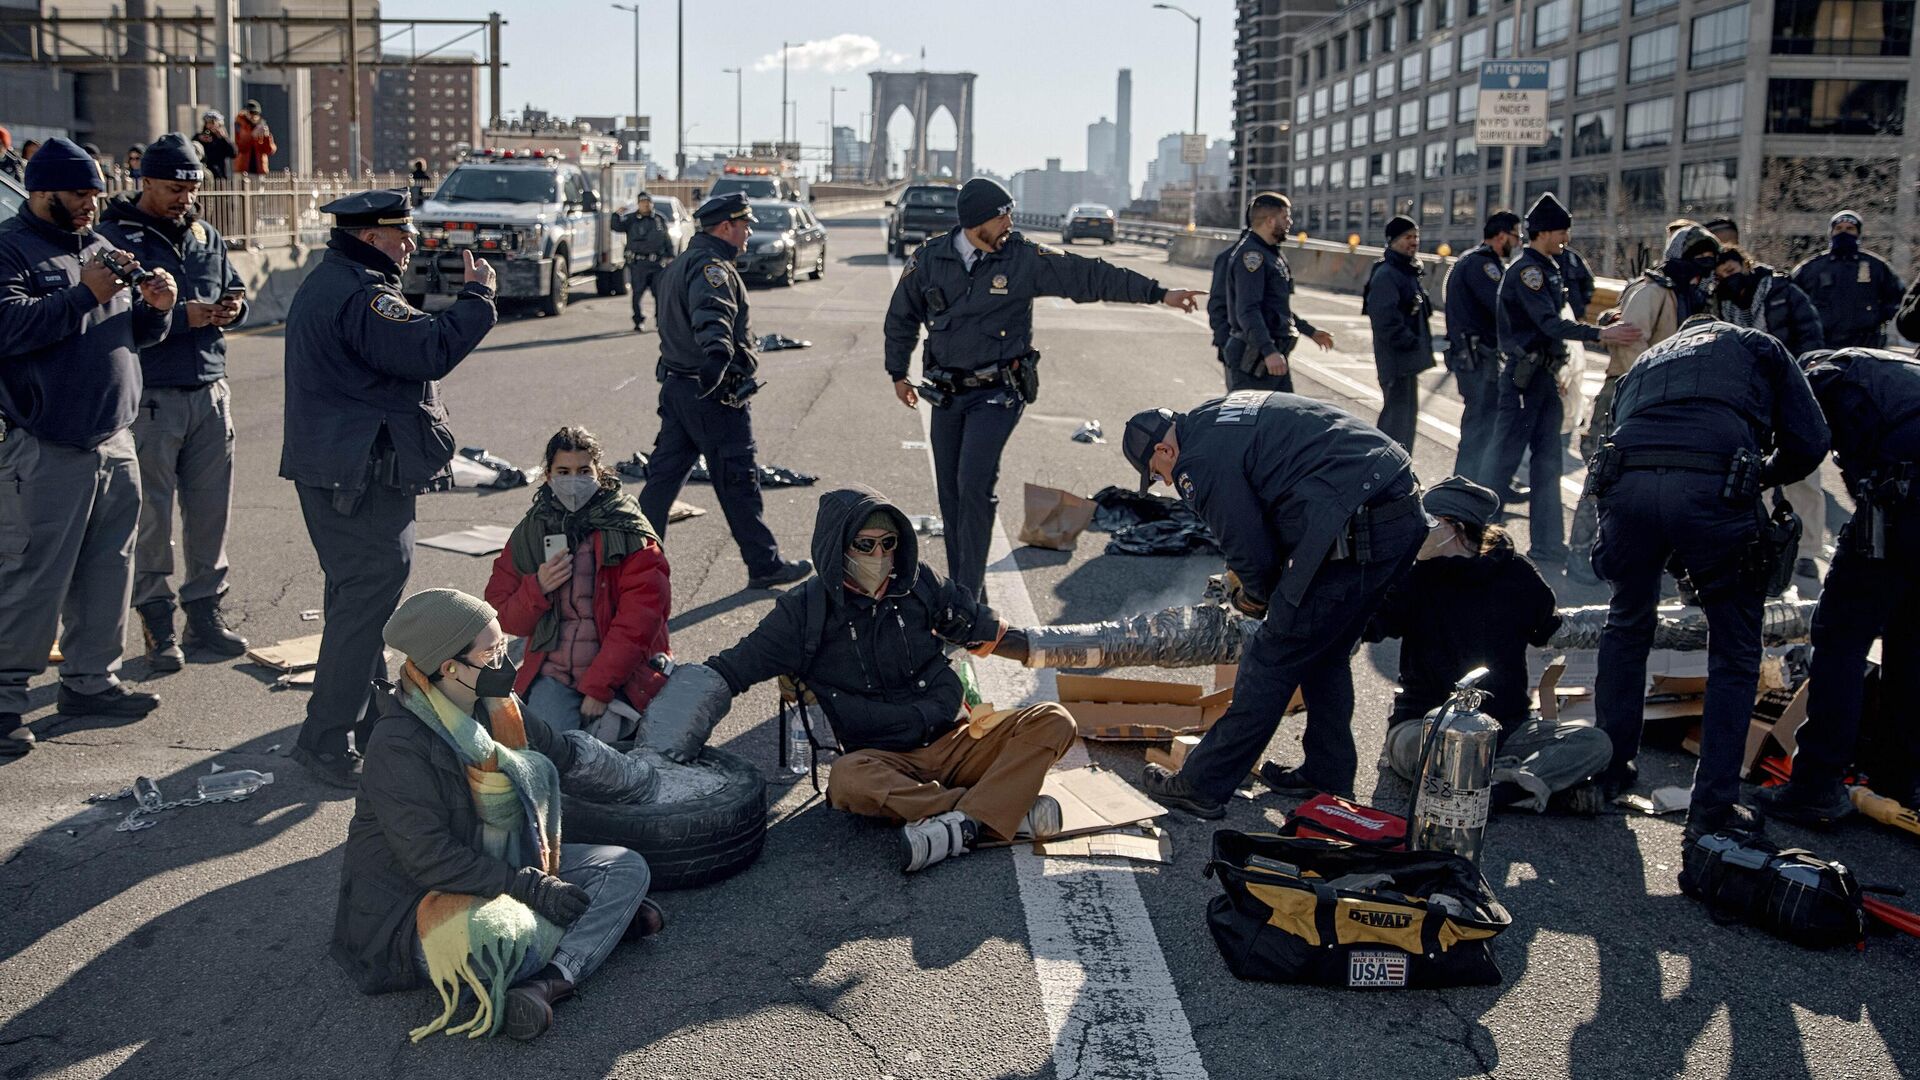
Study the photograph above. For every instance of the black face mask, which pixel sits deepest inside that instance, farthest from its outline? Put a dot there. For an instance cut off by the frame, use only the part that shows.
(1737, 288)
(493, 682)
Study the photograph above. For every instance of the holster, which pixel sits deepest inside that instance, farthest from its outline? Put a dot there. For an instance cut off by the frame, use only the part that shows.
(1525, 368)
(1023, 373)
(1604, 470)
(1743, 478)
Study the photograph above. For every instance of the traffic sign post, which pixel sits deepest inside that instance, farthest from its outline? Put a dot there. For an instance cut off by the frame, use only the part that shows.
(1513, 110)
(1193, 149)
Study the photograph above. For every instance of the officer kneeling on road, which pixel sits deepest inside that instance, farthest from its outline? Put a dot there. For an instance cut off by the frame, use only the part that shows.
(1702, 423)
(868, 638)
(184, 430)
(973, 288)
(706, 378)
(1872, 401)
(1318, 515)
(364, 432)
(1261, 322)
(69, 481)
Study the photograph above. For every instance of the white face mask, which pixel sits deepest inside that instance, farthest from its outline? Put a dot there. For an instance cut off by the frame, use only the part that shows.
(574, 491)
(869, 573)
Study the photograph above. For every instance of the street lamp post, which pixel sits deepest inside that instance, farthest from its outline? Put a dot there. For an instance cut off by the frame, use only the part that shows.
(634, 9)
(679, 86)
(1193, 203)
(833, 144)
(735, 72)
(784, 46)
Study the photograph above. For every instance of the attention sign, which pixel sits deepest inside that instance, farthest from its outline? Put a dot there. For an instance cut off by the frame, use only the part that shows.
(1513, 103)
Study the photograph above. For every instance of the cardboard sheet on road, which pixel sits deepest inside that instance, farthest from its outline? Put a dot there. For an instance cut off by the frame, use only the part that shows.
(1094, 800)
(1139, 710)
(1141, 843)
(476, 540)
(293, 654)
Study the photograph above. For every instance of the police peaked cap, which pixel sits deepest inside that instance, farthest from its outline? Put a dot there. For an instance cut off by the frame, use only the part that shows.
(372, 210)
(729, 207)
(1462, 500)
(171, 157)
(1548, 215)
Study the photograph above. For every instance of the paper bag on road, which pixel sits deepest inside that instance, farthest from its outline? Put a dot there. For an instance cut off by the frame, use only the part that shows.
(1055, 518)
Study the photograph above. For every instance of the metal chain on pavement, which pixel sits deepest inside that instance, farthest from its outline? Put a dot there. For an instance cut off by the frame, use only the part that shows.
(148, 803)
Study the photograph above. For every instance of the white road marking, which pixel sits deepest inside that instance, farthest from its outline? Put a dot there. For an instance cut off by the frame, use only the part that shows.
(624, 383)
(1110, 1003)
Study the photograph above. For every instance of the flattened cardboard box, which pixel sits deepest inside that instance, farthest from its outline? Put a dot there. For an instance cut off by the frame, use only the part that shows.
(1139, 710)
(1093, 800)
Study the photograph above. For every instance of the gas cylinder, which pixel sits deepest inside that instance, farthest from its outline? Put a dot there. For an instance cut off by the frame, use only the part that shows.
(1453, 787)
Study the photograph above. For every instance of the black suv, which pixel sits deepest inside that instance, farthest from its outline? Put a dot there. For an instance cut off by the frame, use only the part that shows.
(1088, 219)
(921, 211)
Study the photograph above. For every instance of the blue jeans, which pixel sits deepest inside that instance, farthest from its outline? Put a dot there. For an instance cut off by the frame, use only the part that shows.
(556, 703)
(1531, 421)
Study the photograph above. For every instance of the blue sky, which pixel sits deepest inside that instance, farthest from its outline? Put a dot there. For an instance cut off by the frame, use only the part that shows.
(1046, 67)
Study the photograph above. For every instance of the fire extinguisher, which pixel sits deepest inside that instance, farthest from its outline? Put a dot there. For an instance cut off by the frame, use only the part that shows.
(1453, 787)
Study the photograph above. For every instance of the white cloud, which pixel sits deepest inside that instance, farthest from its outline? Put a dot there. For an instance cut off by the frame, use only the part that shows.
(842, 52)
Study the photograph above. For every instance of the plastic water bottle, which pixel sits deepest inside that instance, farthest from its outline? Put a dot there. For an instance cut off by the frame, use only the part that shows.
(233, 782)
(799, 747)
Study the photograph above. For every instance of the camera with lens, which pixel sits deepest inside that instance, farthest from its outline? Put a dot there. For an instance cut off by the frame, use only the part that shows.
(132, 277)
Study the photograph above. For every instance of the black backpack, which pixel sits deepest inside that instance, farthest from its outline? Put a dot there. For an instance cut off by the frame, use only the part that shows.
(1790, 893)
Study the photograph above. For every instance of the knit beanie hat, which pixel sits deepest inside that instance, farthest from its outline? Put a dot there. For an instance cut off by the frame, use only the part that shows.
(1400, 226)
(60, 165)
(982, 200)
(433, 626)
(171, 157)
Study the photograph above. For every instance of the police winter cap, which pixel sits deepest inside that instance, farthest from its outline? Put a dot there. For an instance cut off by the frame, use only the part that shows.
(982, 200)
(1398, 225)
(1502, 221)
(1548, 215)
(60, 165)
(171, 158)
(1462, 500)
(1844, 215)
(726, 207)
(1144, 432)
(433, 626)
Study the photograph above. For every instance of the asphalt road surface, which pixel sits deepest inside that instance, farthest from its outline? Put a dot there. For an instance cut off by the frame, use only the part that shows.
(196, 948)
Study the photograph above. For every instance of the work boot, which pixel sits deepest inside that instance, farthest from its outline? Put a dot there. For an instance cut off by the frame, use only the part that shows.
(529, 1005)
(1516, 493)
(207, 630)
(1169, 788)
(1584, 799)
(783, 573)
(1042, 820)
(115, 701)
(16, 738)
(1735, 820)
(1292, 782)
(648, 920)
(930, 840)
(1809, 803)
(163, 647)
(1617, 779)
(334, 770)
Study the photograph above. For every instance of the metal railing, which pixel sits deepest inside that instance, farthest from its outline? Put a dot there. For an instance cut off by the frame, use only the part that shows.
(1136, 230)
(276, 210)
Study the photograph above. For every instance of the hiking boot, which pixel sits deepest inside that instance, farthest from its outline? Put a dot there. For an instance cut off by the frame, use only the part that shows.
(1584, 799)
(1808, 803)
(930, 840)
(783, 573)
(16, 738)
(1171, 789)
(648, 920)
(115, 701)
(207, 630)
(1734, 820)
(334, 770)
(1041, 821)
(529, 1005)
(1291, 782)
(163, 646)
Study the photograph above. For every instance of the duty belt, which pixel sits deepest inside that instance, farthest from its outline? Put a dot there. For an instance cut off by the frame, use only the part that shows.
(1356, 539)
(954, 381)
(1684, 460)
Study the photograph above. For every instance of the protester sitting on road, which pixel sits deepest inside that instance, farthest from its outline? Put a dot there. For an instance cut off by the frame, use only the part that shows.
(865, 636)
(1472, 601)
(595, 613)
(455, 871)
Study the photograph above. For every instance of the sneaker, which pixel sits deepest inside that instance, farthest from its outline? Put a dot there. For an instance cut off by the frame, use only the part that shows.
(648, 920)
(115, 701)
(1041, 821)
(334, 770)
(16, 738)
(783, 573)
(930, 840)
(1807, 803)
(1172, 789)
(1584, 799)
(1735, 820)
(1289, 782)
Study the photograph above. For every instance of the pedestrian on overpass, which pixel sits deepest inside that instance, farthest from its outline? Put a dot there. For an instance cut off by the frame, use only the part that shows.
(1396, 304)
(365, 431)
(973, 289)
(706, 378)
(1473, 343)
(649, 250)
(1260, 314)
(1318, 515)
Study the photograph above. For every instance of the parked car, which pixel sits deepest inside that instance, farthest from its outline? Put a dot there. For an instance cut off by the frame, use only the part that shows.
(787, 241)
(1088, 219)
(679, 222)
(921, 211)
(12, 196)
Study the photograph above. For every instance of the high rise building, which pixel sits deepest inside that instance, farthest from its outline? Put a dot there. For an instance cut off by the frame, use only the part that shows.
(1265, 49)
(1123, 137)
(1102, 184)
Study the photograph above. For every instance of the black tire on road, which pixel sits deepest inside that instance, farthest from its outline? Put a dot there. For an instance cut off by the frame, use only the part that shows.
(686, 844)
(555, 302)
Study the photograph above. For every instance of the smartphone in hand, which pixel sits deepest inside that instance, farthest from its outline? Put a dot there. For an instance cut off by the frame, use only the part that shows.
(556, 545)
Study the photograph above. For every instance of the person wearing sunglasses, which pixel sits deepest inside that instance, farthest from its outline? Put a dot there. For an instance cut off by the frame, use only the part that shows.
(869, 636)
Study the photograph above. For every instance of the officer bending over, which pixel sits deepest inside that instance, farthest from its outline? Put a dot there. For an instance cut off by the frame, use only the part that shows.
(69, 481)
(1260, 301)
(706, 376)
(973, 289)
(1872, 401)
(1396, 304)
(1318, 515)
(1855, 291)
(1702, 422)
(365, 430)
(1473, 341)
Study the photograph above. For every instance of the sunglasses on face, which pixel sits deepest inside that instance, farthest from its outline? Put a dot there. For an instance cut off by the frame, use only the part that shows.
(867, 545)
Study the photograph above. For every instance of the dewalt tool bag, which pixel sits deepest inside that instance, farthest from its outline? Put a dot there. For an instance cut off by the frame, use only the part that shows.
(1330, 913)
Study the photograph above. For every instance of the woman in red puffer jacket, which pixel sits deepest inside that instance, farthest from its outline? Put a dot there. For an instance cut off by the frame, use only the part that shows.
(594, 613)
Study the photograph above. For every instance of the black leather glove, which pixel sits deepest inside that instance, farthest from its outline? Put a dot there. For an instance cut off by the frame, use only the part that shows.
(560, 903)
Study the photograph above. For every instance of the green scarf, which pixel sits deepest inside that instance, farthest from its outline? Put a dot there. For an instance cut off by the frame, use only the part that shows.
(612, 513)
(479, 943)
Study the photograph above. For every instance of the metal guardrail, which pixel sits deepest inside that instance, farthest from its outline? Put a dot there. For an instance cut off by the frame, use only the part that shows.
(276, 210)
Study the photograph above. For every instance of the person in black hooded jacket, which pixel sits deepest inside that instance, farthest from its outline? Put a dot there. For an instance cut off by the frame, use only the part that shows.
(869, 637)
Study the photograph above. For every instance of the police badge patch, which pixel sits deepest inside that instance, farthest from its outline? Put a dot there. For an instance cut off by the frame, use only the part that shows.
(389, 306)
(999, 285)
(1532, 278)
(1186, 487)
(716, 277)
(199, 233)
(1493, 271)
(1251, 260)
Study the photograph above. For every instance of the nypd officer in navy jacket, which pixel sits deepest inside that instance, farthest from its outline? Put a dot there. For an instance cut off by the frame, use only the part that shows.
(1318, 515)
(1473, 341)
(1262, 325)
(69, 482)
(184, 429)
(365, 430)
(973, 289)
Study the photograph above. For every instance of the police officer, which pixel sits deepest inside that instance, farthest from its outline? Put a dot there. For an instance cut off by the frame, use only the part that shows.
(1473, 343)
(1578, 277)
(1701, 423)
(364, 431)
(1260, 301)
(184, 428)
(1534, 331)
(1855, 291)
(1871, 398)
(649, 250)
(706, 376)
(973, 288)
(1396, 304)
(69, 481)
(1318, 515)
(1217, 316)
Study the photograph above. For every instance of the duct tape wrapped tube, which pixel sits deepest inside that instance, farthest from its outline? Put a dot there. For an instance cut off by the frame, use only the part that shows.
(1782, 622)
